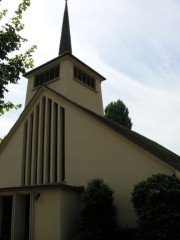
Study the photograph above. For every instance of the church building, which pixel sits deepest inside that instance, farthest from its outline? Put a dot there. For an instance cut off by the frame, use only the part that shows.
(60, 142)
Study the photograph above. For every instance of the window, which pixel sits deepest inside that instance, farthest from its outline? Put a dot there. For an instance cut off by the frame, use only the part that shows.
(84, 78)
(46, 76)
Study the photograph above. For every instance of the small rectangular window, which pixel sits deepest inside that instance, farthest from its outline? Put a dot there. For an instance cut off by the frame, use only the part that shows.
(56, 72)
(79, 75)
(75, 72)
(84, 78)
(88, 81)
(46, 76)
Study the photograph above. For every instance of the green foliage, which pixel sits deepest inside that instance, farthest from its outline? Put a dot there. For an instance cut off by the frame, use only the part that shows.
(2, 139)
(157, 204)
(12, 64)
(98, 215)
(6, 107)
(119, 113)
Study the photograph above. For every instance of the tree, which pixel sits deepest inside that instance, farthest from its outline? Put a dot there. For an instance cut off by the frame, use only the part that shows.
(119, 113)
(157, 204)
(98, 215)
(12, 63)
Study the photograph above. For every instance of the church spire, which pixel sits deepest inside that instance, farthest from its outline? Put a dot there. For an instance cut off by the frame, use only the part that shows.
(65, 41)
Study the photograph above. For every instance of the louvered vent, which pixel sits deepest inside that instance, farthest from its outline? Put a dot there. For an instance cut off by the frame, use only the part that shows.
(84, 78)
(47, 76)
(44, 144)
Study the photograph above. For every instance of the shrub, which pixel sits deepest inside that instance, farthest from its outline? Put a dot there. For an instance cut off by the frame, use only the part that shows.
(98, 215)
(157, 204)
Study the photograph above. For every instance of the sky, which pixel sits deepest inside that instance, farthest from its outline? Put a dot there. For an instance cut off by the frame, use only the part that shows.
(134, 44)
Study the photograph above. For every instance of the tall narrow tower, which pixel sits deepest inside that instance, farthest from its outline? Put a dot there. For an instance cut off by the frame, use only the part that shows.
(67, 75)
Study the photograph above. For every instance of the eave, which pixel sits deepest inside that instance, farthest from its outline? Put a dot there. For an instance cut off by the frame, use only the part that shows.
(66, 54)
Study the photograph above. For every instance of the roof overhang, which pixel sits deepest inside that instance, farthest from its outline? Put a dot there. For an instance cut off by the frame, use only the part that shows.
(53, 186)
(60, 58)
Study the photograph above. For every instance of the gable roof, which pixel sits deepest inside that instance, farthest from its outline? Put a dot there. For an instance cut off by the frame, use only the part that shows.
(143, 142)
(162, 153)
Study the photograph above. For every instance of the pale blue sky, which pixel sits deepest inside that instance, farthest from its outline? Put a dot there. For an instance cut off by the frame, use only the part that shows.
(135, 44)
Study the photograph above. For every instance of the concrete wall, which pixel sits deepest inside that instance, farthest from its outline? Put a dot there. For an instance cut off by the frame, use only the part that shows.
(55, 214)
(70, 206)
(93, 150)
(47, 216)
(52, 215)
(11, 160)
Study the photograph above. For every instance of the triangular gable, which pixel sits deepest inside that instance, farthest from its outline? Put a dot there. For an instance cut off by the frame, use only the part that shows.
(23, 115)
(155, 149)
(42, 124)
(146, 144)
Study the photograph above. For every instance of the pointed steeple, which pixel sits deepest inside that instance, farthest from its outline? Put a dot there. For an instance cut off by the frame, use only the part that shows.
(65, 41)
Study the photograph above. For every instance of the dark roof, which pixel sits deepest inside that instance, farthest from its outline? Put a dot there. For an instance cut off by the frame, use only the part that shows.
(60, 186)
(65, 41)
(58, 58)
(150, 146)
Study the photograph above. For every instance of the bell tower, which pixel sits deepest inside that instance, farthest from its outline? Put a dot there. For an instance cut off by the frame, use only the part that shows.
(67, 75)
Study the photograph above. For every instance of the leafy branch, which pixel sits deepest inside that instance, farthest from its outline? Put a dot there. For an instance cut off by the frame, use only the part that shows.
(12, 67)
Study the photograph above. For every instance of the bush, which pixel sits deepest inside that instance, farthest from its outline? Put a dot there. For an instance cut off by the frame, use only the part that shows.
(98, 215)
(157, 204)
